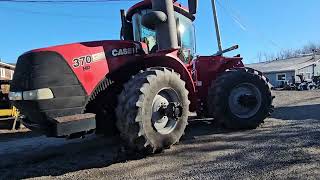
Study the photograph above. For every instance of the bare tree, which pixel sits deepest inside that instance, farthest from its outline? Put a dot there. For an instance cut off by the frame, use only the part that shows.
(259, 57)
(288, 53)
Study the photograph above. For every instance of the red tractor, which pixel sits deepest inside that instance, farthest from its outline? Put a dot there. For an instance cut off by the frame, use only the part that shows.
(143, 86)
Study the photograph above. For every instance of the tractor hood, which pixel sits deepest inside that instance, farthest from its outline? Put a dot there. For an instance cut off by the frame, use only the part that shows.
(58, 81)
(92, 61)
(98, 50)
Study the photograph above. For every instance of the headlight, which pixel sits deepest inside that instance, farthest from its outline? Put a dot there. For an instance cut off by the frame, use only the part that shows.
(38, 94)
(15, 96)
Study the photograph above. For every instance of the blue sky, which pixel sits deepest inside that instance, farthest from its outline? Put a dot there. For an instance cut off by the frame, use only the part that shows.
(257, 26)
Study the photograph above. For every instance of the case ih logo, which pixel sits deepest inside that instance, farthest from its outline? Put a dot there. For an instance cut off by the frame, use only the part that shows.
(124, 51)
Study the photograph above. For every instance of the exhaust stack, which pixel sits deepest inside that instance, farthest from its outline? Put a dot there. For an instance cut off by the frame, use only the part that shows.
(163, 21)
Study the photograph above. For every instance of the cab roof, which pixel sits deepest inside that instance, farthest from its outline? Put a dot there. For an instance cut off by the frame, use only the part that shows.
(146, 4)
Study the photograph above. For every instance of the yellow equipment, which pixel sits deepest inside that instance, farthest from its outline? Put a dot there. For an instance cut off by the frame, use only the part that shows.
(9, 115)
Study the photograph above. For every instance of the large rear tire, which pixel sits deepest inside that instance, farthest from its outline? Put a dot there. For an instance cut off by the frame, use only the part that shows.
(153, 110)
(240, 99)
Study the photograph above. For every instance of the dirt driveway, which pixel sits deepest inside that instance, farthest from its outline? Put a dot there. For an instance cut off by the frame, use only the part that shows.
(285, 146)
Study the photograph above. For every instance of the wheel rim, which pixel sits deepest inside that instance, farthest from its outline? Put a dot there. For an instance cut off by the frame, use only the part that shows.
(245, 100)
(166, 109)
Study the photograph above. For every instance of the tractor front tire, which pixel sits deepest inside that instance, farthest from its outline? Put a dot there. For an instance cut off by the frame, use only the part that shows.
(153, 110)
(240, 99)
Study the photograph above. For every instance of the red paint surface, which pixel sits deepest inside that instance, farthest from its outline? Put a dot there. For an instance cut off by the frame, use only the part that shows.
(204, 69)
(208, 68)
(169, 58)
(98, 70)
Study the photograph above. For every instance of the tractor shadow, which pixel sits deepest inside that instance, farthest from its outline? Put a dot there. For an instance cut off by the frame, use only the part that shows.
(7, 134)
(65, 156)
(202, 137)
(297, 112)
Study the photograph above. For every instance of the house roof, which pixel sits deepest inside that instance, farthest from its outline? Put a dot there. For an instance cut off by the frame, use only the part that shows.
(291, 64)
(11, 66)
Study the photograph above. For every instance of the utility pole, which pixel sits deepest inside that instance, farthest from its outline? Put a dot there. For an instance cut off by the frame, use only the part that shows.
(314, 52)
(216, 23)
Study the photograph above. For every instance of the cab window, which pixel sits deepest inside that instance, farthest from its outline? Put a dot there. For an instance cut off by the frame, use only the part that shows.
(186, 34)
(141, 33)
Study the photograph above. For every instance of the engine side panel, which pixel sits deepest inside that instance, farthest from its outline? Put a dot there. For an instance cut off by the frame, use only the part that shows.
(207, 69)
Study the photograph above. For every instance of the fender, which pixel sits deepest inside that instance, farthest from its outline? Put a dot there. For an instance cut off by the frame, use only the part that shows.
(208, 69)
(167, 59)
(170, 59)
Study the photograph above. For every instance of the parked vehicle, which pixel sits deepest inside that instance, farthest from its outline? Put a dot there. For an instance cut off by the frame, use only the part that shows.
(305, 85)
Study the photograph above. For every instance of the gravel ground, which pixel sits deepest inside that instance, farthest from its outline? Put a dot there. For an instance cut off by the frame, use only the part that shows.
(286, 146)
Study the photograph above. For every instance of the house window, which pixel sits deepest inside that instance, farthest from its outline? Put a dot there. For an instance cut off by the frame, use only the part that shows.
(11, 74)
(308, 76)
(281, 77)
(2, 72)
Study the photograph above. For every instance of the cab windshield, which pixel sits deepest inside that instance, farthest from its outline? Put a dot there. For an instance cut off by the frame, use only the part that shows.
(186, 34)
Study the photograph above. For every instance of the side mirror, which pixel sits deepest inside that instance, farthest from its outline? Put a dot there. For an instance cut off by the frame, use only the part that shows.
(193, 5)
(126, 32)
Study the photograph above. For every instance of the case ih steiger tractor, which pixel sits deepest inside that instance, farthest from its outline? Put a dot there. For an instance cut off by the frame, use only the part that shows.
(143, 86)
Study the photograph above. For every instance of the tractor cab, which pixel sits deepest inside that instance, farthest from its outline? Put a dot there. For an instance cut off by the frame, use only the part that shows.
(139, 32)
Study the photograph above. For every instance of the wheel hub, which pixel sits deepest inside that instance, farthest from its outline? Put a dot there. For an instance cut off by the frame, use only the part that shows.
(173, 110)
(248, 100)
(245, 100)
(166, 111)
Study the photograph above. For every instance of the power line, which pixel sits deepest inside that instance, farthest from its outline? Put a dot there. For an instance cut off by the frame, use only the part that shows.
(29, 11)
(244, 27)
(65, 1)
(61, 14)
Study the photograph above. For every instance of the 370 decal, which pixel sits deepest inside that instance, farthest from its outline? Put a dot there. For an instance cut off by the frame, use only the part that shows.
(82, 61)
(85, 61)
